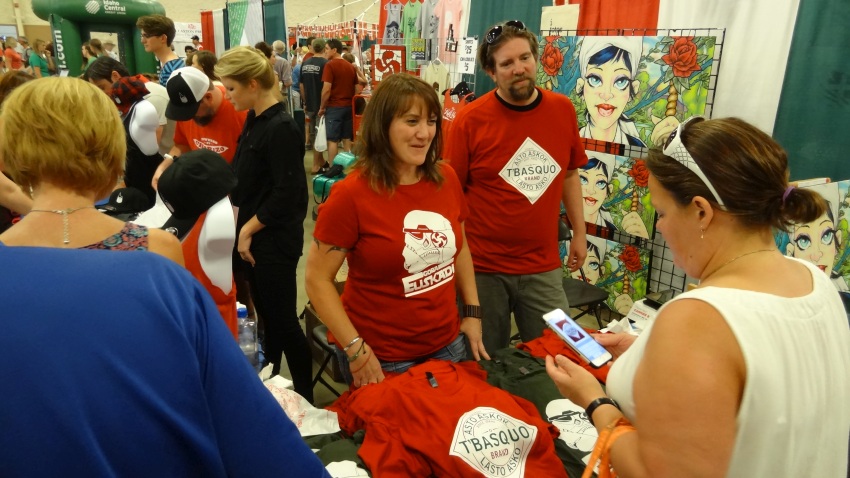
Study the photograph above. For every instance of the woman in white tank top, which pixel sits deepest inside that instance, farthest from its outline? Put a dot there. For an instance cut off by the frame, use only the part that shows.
(747, 374)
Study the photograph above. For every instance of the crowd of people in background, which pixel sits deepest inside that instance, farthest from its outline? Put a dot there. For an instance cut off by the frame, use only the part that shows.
(318, 77)
(18, 55)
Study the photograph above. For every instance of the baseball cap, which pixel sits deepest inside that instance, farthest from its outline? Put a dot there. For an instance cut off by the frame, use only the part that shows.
(125, 202)
(196, 37)
(186, 87)
(194, 183)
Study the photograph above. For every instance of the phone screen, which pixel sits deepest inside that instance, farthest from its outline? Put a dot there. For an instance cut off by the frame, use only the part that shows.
(577, 338)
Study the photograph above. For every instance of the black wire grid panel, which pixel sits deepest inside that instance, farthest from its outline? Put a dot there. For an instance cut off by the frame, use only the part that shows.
(663, 275)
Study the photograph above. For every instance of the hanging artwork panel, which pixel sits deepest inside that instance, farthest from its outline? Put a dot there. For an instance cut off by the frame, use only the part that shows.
(386, 60)
(823, 242)
(615, 194)
(620, 269)
(630, 90)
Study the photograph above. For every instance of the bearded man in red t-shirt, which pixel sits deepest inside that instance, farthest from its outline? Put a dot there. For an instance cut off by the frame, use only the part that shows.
(516, 150)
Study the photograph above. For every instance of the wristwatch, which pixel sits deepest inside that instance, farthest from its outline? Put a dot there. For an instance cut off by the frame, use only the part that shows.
(473, 311)
(596, 403)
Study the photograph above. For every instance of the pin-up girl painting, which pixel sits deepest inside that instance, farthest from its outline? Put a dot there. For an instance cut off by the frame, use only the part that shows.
(595, 179)
(629, 90)
(608, 68)
(819, 241)
(620, 269)
(593, 266)
(614, 194)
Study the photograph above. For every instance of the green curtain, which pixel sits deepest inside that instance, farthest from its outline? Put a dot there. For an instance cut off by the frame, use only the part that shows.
(813, 121)
(485, 13)
(275, 22)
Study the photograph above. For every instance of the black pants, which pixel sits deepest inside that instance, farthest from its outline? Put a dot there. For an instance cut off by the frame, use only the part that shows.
(275, 293)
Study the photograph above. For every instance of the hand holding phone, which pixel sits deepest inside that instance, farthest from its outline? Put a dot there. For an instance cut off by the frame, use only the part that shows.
(577, 339)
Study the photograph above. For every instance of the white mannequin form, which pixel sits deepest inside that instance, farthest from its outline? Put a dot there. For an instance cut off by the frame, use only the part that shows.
(143, 127)
(215, 244)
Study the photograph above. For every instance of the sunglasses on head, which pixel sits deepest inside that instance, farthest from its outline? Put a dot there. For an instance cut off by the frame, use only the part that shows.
(494, 32)
(675, 148)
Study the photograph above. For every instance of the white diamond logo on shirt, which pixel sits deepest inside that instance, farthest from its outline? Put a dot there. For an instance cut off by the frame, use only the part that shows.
(492, 442)
(531, 170)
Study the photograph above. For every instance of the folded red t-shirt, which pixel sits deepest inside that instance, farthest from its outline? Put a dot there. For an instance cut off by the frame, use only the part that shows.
(551, 344)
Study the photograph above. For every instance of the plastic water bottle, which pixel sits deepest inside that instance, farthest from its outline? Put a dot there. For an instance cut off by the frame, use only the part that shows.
(247, 335)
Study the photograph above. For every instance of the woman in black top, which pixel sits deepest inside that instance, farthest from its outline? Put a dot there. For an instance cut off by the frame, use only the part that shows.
(272, 199)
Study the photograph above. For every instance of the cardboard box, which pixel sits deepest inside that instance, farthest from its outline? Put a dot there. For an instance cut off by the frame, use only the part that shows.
(312, 321)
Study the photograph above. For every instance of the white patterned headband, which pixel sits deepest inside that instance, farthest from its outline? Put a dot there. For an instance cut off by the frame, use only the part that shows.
(674, 148)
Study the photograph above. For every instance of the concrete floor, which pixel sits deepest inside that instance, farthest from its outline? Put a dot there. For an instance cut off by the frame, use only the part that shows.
(321, 395)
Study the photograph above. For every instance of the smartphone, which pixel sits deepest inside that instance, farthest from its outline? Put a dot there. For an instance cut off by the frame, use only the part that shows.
(577, 339)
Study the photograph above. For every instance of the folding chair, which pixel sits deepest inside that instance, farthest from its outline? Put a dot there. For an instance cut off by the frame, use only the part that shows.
(320, 335)
(580, 294)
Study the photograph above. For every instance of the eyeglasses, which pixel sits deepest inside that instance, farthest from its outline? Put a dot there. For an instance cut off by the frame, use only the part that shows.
(494, 32)
(674, 148)
(149, 35)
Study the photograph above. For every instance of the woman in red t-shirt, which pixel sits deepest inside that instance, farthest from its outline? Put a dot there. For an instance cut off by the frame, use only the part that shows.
(13, 58)
(398, 219)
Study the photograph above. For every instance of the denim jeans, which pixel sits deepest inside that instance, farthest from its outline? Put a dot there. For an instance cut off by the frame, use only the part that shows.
(456, 351)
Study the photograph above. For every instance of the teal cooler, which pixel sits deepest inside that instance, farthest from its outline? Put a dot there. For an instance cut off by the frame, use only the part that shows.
(345, 160)
(322, 187)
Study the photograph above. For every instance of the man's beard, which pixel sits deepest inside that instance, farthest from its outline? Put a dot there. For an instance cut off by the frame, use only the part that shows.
(204, 120)
(522, 93)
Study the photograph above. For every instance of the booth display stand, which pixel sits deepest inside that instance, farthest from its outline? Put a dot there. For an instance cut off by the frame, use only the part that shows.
(75, 21)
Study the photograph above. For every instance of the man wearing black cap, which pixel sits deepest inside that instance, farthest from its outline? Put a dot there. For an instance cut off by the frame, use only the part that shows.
(205, 119)
(196, 42)
(195, 190)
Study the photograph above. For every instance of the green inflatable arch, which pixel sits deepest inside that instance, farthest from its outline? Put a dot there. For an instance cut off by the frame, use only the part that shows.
(72, 21)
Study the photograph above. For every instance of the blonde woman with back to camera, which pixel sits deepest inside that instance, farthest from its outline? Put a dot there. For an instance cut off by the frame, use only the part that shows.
(271, 195)
(71, 171)
(745, 376)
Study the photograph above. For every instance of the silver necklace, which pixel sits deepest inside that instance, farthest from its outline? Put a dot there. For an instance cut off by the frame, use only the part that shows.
(66, 233)
(735, 259)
